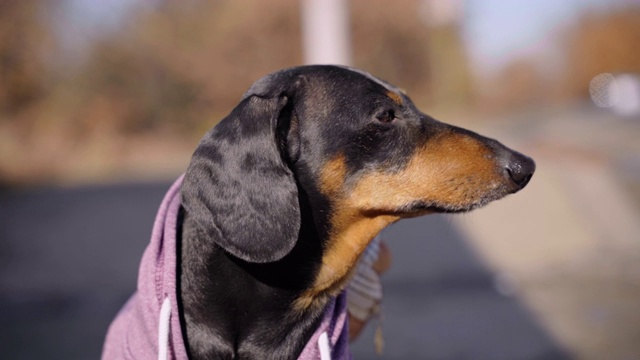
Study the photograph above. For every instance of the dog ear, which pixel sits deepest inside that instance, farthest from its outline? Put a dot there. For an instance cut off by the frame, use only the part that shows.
(238, 186)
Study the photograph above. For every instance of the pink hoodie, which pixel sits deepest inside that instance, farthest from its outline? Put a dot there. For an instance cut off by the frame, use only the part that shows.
(148, 326)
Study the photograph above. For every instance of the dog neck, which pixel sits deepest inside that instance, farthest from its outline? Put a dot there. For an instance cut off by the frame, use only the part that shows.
(228, 301)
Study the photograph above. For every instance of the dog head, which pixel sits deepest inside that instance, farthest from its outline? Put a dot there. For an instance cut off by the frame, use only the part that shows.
(355, 146)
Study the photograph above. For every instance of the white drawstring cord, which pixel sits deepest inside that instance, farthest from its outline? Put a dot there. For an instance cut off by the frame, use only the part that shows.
(163, 335)
(163, 330)
(323, 345)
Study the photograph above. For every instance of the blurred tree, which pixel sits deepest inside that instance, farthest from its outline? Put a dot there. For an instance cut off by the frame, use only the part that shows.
(606, 41)
(520, 85)
(450, 83)
(23, 39)
(170, 70)
(391, 42)
(186, 65)
(601, 42)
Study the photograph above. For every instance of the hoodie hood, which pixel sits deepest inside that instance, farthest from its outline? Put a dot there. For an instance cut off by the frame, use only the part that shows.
(148, 326)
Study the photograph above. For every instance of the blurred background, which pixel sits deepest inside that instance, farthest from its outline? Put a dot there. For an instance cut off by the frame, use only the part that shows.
(103, 102)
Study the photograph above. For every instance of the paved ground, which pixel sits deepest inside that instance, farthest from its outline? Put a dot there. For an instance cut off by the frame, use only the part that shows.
(549, 272)
(68, 262)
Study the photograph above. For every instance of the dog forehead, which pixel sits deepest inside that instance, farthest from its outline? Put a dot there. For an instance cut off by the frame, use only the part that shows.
(380, 82)
(278, 79)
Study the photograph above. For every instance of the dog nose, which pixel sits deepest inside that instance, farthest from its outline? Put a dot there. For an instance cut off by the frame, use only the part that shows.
(520, 168)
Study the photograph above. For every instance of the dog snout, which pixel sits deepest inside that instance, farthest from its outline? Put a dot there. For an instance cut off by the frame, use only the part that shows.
(519, 168)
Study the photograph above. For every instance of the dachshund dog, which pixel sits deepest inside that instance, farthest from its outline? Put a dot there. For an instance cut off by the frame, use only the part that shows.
(284, 194)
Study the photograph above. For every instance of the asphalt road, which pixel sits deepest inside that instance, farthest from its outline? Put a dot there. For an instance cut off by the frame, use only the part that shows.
(69, 258)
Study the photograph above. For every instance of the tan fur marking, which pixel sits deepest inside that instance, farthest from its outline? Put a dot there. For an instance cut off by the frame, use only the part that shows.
(332, 176)
(351, 231)
(452, 169)
(350, 235)
(395, 97)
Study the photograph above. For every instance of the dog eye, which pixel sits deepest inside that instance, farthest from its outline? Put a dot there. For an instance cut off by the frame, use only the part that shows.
(386, 116)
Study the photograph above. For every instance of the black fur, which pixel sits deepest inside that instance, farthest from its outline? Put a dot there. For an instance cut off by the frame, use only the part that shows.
(255, 223)
(236, 173)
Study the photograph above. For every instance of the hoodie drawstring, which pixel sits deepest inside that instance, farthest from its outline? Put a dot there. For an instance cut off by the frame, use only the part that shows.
(163, 330)
(324, 346)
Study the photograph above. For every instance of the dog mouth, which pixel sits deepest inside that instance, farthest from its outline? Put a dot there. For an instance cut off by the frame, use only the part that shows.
(421, 207)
